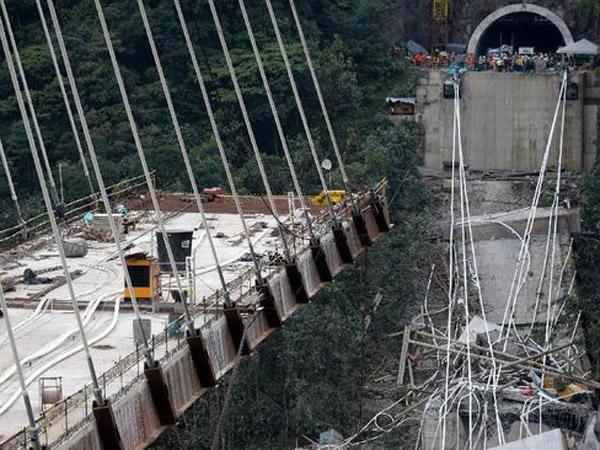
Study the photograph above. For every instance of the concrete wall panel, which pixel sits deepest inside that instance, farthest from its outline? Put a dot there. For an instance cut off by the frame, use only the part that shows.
(310, 276)
(136, 417)
(372, 227)
(219, 346)
(86, 438)
(182, 380)
(285, 301)
(258, 329)
(353, 240)
(334, 261)
(506, 119)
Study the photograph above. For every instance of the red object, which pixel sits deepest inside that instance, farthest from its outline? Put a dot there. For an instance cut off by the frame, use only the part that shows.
(212, 194)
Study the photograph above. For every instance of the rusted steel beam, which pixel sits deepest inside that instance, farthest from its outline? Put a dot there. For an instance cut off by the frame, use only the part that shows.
(295, 278)
(361, 229)
(159, 392)
(235, 325)
(267, 301)
(107, 426)
(320, 259)
(201, 359)
(341, 243)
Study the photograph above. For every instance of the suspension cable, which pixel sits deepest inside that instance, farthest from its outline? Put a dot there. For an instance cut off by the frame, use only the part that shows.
(17, 57)
(11, 186)
(249, 129)
(317, 84)
(49, 209)
(183, 148)
(300, 106)
(96, 167)
(277, 118)
(147, 175)
(65, 97)
(33, 429)
(218, 140)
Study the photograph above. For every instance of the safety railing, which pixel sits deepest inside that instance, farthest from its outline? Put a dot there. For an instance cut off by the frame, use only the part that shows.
(40, 224)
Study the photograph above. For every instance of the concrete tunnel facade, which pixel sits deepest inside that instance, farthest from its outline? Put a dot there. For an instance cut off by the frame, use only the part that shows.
(554, 25)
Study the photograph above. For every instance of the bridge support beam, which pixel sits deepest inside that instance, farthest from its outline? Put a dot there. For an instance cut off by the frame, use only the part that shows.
(379, 212)
(159, 392)
(267, 301)
(361, 229)
(201, 360)
(295, 277)
(341, 242)
(107, 426)
(318, 255)
(236, 327)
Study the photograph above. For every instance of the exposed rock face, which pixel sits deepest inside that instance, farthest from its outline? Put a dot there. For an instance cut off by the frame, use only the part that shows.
(410, 19)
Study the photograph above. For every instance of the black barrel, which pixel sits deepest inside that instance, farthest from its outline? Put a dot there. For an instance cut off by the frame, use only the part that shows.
(181, 244)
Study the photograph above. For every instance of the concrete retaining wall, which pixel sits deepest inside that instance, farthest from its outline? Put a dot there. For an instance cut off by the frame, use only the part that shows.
(506, 120)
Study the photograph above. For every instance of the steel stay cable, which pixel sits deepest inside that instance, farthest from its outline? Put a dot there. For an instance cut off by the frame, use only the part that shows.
(11, 186)
(17, 58)
(33, 428)
(144, 164)
(317, 85)
(218, 140)
(246, 117)
(65, 97)
(49, 209)
(301, 111)
(183, 147)
(277, 118)
(464, 270)
(450, 280)
(554, 227)
(474, 257)
(96, 167)
(518, 275)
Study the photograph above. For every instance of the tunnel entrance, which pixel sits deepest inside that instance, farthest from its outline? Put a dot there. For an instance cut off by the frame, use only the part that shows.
(522, 30)
(521, 25)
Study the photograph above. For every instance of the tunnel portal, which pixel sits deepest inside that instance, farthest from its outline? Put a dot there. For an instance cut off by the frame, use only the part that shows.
(521, 25)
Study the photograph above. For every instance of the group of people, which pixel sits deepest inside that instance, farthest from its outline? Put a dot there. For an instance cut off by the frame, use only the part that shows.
(512, 62)
(439, 60)
(493, 61)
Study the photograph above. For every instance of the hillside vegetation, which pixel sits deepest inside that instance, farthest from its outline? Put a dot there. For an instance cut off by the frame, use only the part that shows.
(313, 374)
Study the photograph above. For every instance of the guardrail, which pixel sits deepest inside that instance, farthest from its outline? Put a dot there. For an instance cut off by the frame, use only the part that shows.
(40, 224)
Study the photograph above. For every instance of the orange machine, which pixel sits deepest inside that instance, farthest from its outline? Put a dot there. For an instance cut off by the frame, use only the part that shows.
(145, 277)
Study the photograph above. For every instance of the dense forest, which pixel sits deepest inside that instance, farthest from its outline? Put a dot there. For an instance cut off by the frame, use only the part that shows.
(295, 385)
(355, 67)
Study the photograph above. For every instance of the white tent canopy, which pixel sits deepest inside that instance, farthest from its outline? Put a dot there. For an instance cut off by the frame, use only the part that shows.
(582, 47)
